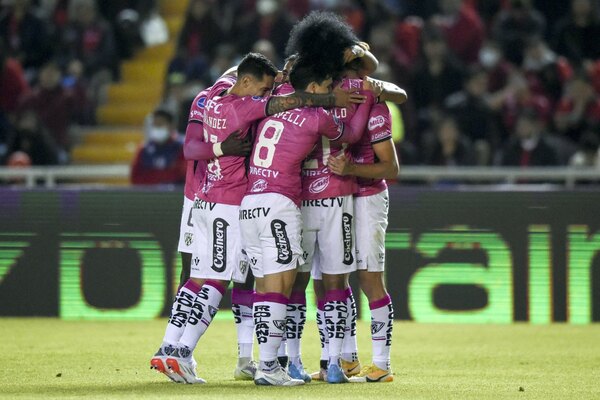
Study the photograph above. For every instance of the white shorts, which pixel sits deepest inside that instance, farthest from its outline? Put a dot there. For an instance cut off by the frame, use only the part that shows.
(271, 227)
(329, 234)
(186, 229)
(218, 250)
(371, 214)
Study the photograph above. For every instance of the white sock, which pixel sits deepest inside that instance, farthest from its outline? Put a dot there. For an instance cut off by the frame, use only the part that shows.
(205, 307)
(296, 318)
(322, 330)
(241, 305)
(349, 346)
(336, 313)
(269, 322)
(180, 311)
(382, 323)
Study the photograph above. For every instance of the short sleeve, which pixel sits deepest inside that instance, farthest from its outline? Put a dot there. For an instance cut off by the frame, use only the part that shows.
(380, 123)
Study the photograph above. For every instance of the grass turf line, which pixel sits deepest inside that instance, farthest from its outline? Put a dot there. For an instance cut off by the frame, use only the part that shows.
(111, 360)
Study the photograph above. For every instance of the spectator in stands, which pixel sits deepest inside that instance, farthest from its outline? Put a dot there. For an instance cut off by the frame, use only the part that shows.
(463, 29)
(160, 160)
(437, 77)
(515, 26)
(498, 69)
(587, 155)
(474, 116)
(576, 35)
(13, 84)
(25, 35)
(54, 105)
(451, 147)
(529, 147)
(90, 39)
(269, 21)
(201, 32)
(33, 140)
(578, 109)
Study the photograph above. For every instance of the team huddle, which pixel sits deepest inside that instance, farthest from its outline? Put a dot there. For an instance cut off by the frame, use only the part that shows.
(286, 181)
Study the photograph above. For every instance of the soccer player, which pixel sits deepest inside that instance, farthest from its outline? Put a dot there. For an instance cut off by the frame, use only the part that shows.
(232, 104)
(270, 215)
(373, 160)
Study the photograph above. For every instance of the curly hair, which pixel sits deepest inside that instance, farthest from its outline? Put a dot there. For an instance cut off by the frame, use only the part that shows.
(321, 38)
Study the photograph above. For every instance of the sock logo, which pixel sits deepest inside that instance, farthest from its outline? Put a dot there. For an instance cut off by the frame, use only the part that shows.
(376, 326)
(219, 245)
(184, 352)
(347, 232)
(284, 250)
(168, 349)
(212, 311)
(279, 324)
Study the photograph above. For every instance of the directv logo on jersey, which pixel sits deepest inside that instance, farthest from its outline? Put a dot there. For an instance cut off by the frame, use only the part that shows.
(376, 122)
(219, 245)
(284, 250)
(347, 231)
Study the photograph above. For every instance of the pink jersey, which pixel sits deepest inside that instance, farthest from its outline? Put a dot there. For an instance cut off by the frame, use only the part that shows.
(318, 182)
(379, 129)
(225, 180)
(195, 171)
(282, 143)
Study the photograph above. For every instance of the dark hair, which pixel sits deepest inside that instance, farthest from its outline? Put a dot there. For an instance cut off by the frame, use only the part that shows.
(304, 72)
(164, 113)
(257, 65)
(321, 38)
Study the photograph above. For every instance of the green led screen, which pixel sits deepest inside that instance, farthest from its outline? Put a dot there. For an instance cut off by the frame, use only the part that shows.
(452, 256)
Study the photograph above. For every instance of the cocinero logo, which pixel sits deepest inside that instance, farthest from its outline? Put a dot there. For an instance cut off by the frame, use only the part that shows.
(284, 250)
(347, 232)
(219, 245)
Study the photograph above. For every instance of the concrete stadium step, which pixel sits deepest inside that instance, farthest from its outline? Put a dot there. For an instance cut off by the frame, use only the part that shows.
(173, 7)
(150, 72)
(103, 154)
(134, 92)
(117, 137)
(124, 114)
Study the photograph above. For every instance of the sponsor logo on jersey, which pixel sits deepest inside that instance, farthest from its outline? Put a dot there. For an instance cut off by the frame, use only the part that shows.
(219, 245)
(284, 250)
(376, 326)
(254, 213)
(203, 204)
(376, 122)
(256, 98)
(319, 185)
(259, 186)
(347, 232)
(327, 203)
(188, 238)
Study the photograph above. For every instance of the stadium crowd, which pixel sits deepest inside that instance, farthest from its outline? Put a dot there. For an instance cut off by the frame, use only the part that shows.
(498, 82)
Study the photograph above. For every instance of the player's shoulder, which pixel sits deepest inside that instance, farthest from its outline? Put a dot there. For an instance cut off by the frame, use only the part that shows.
(283, 89)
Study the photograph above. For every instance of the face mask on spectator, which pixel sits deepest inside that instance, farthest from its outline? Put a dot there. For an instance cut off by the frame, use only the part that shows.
(530, 143)
(489, 57)
(266, 7)
(158, 134)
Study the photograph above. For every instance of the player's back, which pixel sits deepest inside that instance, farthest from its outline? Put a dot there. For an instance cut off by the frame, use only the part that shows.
(318, 182)
(225, 181)
(282, 143)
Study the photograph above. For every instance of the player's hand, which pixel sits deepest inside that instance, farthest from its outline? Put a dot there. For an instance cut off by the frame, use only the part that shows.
(373, 85)
(343, 98)
(339, 165)
(353, 52)
(236, 146)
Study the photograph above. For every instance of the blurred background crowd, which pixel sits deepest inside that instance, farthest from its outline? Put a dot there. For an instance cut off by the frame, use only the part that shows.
(490, 82)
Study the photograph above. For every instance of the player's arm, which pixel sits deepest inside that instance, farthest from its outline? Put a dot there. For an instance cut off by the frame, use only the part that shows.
(385, 168)
(195, 148)
(338, 98)
(368, 61)
(388, 91)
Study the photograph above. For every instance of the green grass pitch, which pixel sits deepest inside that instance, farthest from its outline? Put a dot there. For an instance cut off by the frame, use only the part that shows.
(49, 358)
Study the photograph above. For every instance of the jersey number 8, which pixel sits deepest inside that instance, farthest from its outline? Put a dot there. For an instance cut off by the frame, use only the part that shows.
(264, 158)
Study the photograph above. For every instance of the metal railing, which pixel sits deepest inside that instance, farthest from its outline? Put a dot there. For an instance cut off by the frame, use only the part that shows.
(568, 176)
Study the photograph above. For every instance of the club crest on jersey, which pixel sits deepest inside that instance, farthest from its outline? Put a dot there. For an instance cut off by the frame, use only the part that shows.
(219, 258)
(347, 232)
(376, 326)
(319, 185)
(188, 238)
(376, 122)
(259, 186)
(284, 250)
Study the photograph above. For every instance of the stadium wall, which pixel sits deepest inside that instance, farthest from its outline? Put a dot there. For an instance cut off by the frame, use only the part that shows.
(455, 256)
